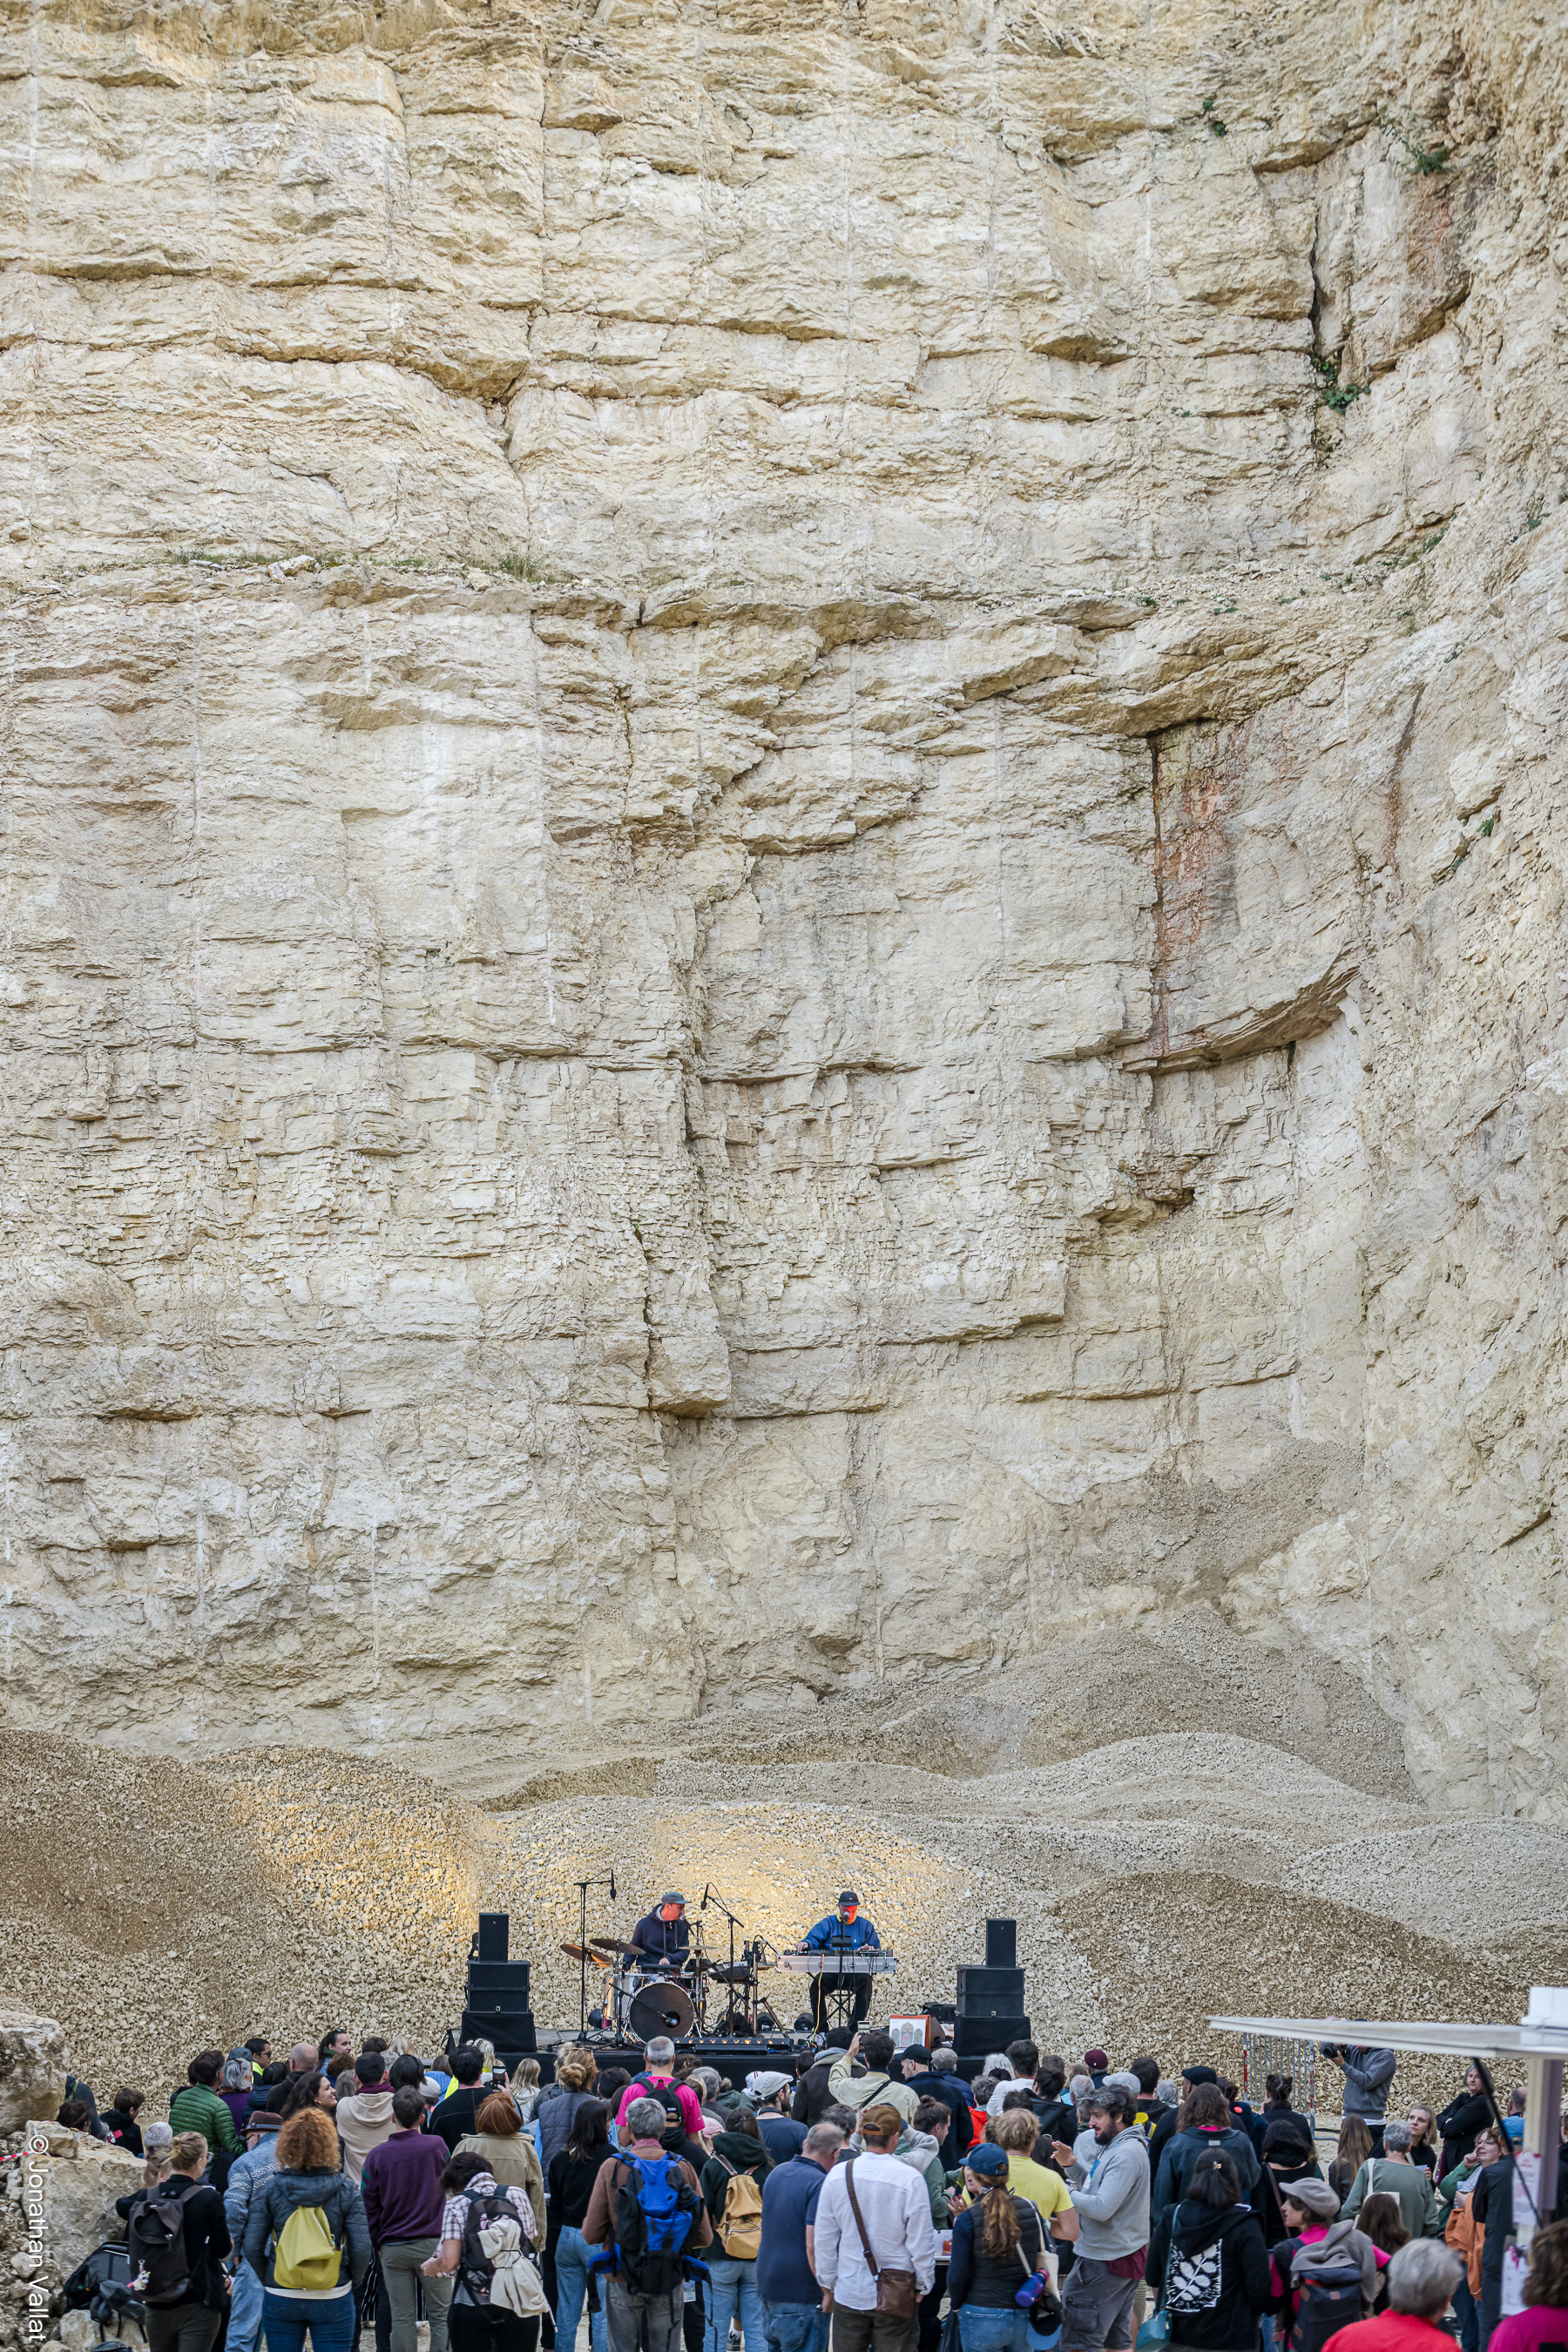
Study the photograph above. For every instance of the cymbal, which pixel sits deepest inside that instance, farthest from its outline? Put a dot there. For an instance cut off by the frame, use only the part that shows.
(576, 1952)
(610, 1943)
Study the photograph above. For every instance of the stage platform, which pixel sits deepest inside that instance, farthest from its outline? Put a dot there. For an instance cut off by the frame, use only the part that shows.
(732, 2059)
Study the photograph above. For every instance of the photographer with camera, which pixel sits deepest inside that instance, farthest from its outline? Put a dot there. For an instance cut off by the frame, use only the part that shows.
(1367, 2076)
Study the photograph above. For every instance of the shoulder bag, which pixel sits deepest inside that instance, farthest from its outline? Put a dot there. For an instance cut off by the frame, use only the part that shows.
(896, 2294)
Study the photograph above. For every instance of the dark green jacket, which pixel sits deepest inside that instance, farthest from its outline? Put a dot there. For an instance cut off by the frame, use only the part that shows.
(197, 2108)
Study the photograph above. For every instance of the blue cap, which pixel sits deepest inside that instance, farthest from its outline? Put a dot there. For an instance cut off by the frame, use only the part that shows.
(986, 2159)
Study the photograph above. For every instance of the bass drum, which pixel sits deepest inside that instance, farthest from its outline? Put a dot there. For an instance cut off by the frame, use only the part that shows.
(661, 2007)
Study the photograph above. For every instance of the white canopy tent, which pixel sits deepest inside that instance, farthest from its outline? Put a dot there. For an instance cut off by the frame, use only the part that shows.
(1539, 2044)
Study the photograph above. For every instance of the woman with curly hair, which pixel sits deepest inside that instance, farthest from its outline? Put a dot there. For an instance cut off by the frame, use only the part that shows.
(308, 2173)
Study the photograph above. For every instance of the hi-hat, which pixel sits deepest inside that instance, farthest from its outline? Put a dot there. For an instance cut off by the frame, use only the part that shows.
(576, 1952)
(610, 1943)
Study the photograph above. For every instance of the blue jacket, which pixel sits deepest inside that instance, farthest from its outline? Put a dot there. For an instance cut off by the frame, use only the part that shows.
(857, 1935)
(243, 2176)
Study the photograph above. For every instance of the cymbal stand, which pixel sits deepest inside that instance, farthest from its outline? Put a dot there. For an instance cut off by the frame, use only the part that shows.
(583, 1884)
(699, 1983)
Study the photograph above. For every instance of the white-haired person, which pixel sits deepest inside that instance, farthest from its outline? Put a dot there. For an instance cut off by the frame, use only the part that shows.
(1421, 2282)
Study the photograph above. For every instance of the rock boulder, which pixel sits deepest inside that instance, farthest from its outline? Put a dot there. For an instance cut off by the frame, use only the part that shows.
(80, 2187)
(32, 2066)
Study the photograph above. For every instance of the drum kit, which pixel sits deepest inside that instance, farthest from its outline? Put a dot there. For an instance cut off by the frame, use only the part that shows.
(645, 1997)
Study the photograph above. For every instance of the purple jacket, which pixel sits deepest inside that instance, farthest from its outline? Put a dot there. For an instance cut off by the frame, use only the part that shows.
(400, 2185)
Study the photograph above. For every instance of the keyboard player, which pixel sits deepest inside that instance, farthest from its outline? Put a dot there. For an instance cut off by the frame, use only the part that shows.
(844, 1930)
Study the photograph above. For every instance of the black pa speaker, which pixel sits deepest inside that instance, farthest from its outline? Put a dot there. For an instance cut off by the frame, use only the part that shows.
(985, 2037)
(500, 1984)
(510, 2030)
(990, 1992)
(491, 1941)
(1001, 1943)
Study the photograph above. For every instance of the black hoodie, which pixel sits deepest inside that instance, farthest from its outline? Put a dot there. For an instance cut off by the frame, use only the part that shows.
(1460, 2123)
(1214, 2270)
(812, 2096)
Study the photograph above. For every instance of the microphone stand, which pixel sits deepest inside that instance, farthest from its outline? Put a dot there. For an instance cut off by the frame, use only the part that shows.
(734, 1923)
(583, 1884)
(844, 1993)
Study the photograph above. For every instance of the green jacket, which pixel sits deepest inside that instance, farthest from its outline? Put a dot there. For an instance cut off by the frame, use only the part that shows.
(1411, 2184)
(197, 2108)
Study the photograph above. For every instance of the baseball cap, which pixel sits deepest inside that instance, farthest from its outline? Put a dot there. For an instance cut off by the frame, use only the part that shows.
(766, 2085)
(988, 2161)
(1312, 2196)
(849, 1895)
(673, 1898)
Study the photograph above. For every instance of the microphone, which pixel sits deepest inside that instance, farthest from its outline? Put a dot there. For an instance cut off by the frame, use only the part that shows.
(703, 1904)
(612, 1882)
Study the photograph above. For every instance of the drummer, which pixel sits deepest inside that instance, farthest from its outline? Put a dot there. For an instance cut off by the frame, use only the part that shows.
(663, 1939)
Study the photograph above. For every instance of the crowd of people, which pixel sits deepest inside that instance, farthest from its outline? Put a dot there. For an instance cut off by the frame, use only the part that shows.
(865, 2197)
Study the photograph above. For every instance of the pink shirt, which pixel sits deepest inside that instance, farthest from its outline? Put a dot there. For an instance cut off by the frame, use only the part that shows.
(690, 2106)
(1538, 2325)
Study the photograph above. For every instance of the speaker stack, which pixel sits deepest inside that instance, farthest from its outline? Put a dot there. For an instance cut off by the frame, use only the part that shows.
(495, 2003)
(991, 1998)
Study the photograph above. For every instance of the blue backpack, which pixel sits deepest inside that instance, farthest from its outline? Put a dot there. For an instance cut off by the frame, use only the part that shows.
(654, 2208)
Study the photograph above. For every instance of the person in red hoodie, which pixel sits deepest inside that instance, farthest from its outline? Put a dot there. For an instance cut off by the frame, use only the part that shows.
(1421, 2281)
(400, 2185)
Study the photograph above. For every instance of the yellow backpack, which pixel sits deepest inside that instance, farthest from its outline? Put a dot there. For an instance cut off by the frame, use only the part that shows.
(740, 2222)
(306, 2258)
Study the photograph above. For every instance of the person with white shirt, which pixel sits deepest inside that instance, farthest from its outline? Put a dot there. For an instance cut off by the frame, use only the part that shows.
(896, 2210)
(1023, 2059)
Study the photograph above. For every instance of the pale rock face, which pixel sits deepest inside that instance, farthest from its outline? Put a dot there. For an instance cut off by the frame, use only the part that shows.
(78, 2187)
(934, 1023)
(33, 2066)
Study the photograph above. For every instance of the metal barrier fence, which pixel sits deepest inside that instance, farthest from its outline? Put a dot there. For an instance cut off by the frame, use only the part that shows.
(1263, 2055)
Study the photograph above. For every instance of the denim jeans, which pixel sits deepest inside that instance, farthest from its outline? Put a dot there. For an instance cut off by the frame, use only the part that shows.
(572, 2255)
(1490, 2308)
(331, 2322)
(981, 2329)
(733, 2284)
(797, 2327)
(1466, 2311)
(245, 2310)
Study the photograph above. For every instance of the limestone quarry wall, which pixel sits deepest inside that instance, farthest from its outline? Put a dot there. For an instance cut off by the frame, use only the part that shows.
(783, 860)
